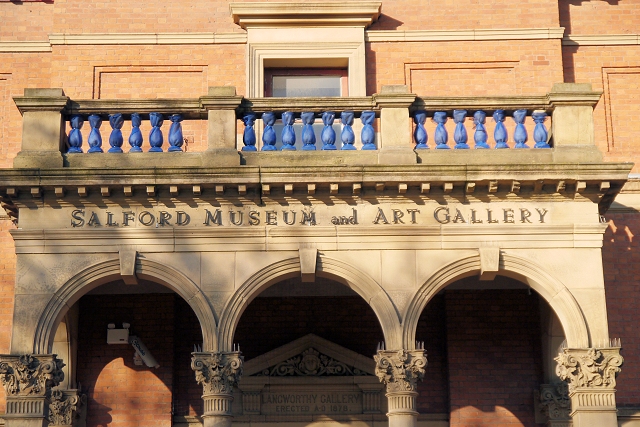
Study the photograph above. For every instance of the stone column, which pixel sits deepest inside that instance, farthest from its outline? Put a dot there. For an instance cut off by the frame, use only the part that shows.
(27, 381)
(218, 372)
(65, 407)
(396, 143)
(400, 370)
(591, 374)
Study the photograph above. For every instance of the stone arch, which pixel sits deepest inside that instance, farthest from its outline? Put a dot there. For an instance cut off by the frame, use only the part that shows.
(108, 271)
(552, 290)
(331, 268)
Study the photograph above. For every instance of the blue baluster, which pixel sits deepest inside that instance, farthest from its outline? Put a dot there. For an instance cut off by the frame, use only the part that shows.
(288, 134)
(175, 133)
(520, 134)
(308, 136)
(328, 135)
(135, 139)
(249, 134)
(268, 135)
(540, 133)
(480, 136)
(95, 139)
(500, 133)
(115, 139)
(347, 136)
(75, 136)
(155, 136)
(441, 136)
(368, 134)
(420, 134)
(460, 134)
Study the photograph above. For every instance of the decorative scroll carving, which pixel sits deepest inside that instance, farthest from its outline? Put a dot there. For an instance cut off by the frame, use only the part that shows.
(63, 408)
(554, 401)
(30, 375)
(400, 370)
(311, 363)
(589, 367)
(217, 372)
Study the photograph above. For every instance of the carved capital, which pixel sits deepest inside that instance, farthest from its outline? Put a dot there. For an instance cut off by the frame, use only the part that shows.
(400, 370)
(218, 372)
(65, 406)
(555, 403)
(30, 375)
(591, 368)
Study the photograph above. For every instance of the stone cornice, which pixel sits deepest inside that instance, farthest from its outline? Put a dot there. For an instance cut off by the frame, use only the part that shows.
(464, 35)
(304, 14)
(601, 39)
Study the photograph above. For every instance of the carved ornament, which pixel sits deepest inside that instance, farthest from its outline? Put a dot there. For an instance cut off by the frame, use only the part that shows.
(217, 372)
(30, 375)
(554, 401)
(589, 367)
(311, 363)
(400, 370)
(64, 409)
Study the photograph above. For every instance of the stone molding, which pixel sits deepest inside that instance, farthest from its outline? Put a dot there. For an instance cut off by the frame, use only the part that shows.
(25, 46)
(589, 368)
(56, 39)
(65, 407)
(601, 39)
(464, 35)
(30, 375)
(217, 372)
(400, 370)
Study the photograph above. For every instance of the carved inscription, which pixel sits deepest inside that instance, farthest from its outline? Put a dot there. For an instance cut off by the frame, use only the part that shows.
(312, 403)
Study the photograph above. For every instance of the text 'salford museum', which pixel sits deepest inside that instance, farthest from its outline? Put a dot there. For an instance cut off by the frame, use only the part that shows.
(343, 213)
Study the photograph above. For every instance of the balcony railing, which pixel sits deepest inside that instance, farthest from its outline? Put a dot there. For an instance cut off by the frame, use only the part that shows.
(400, 126)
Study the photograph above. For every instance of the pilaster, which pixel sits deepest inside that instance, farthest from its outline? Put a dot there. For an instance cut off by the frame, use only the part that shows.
(591, 375)
(218, 373)
(555, 404)
(27, 381)
(65, 407)
(400, 371)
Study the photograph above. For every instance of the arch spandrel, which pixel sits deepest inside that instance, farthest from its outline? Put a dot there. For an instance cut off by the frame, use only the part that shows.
(108, 271)
(556, 294)
(327, 267)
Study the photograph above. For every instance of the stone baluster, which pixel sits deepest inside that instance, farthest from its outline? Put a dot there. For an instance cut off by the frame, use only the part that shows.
(268, 135)
(115, 139)
(520, 134)
(591, 376)
(540, 134)
(420, 133)
(155, 136)
(500, 132)
(218, 373)
(249, 134)
(555, 405)
(28, 380)
(135, 139)
(460, 134)
(368, 134)
(95, 139)
(441, 136)
(480, 135)
(288, 134)
(65, 407)
(328, 135)
(400, 371)
(308, 135)
(175, 133)
(75, 135)
(347, 136)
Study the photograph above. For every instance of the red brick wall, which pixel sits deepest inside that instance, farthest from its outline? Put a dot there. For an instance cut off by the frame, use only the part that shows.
(622, 280)
(494, 356)
(120, 393)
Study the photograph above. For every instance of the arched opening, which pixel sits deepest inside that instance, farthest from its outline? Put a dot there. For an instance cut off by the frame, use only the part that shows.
(121, 388)
(490, 348)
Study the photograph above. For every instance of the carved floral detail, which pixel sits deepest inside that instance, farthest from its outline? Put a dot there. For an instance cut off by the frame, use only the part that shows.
(63, 409)
(589, 368)
(217, 372)
(311, 363)
(30, 375)
(554, 401)
(400, 370)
